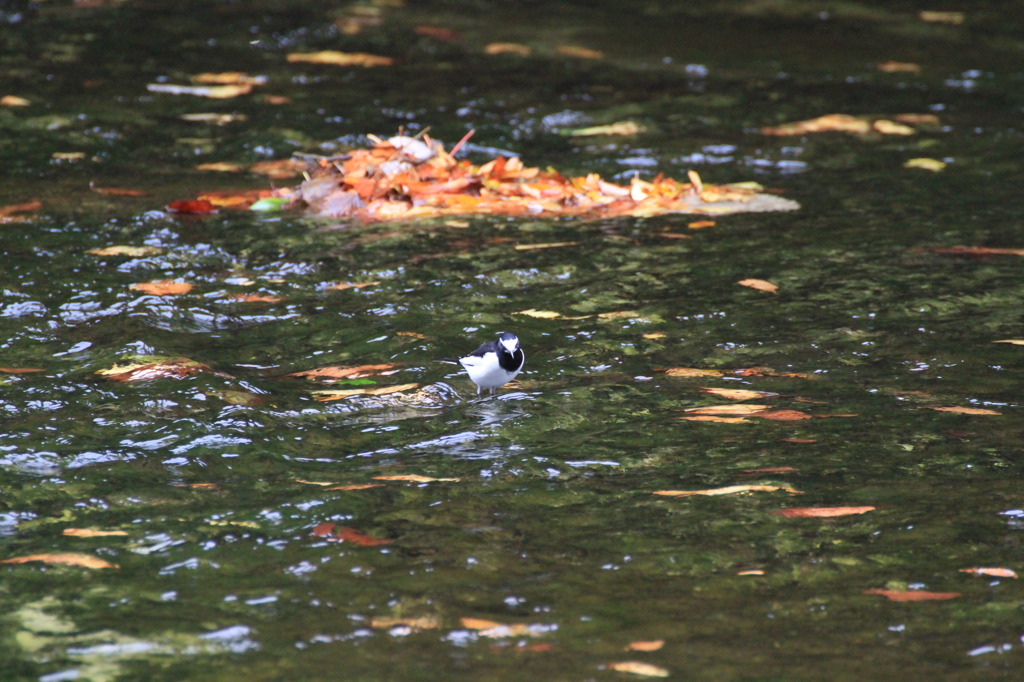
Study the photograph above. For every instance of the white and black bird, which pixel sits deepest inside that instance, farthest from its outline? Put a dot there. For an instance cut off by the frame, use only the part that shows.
(493, 364)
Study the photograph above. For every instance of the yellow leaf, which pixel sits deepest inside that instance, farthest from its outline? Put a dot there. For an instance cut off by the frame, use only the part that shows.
(617, 128)
(1015, 342)
(421, 623)
(229, 78)
(336, 58)
(639, 668)
(887, 127)
(221, 167)
(759, 284)
(548, 245)
(691, 372)
(729, 490)
(649, 645)
(700, 224)
(68, 559)
(933, 165)
(543, 314)
(130, 251)
(92, 532)
(651, 336)
(934, 17)
(325, 396)
(753, 571)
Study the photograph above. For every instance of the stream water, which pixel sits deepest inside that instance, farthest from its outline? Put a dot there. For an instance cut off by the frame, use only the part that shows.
(538, 550)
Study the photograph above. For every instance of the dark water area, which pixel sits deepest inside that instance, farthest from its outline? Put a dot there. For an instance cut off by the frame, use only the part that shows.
(525, 541)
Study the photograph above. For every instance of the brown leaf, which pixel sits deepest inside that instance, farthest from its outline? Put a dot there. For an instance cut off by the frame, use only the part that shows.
(355, 486)
(280, 169)
(67, 559)
(20, 370)
(782, 415)
(413, 478)
(358, 372)
(92, 532)
(898, 67)
(964, 410)
(820, 512)
(690, 372)
(997, 572)
(327, 396)
(728, 490)
(221, 167)
(335, 58)
(169, 368)
(118, 191)
(733, 409)
(438, 32)
(912, 595)
(164, 287)
(579, 52)
(759, 284)
(421, 623)
(799, 440)
(973, 251)
(639, 668)
(6, 212)
(255, 298)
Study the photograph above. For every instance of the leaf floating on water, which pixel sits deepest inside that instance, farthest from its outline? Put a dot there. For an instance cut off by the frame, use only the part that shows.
(280, 169)
(1015, 342)
(355, 486)
(579, 52)
(326, 396)
(414, 478)
(336, 533)
(166, 368)
(547, 245)
(782, 415)
(8, 213)
(887, 127)
(192, 207)
(164, 287)
(335, 58)
(20, 370)
(939, 17)
(67, 559)
(701, 224)
(639, 668)
(996, 572)
(129, 251)
(358, 372)
(691, 372)
(933, 165)
(493, 629)
(118, 191)
(221, 167)
(898, 67)
(720, 420)
(421, 623)
(342, 286)
(92, 532)
(229, 78)
(255, 298)
(734, 409)
(729, 490)
(13, 101)
(973, 251)
(759, 284)
(820, 512)
(211, 91)
(753, 571)
(965, 410)
(912, 595)
(822, 124)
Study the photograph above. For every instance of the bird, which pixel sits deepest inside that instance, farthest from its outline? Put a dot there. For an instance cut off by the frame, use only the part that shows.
(494, 363)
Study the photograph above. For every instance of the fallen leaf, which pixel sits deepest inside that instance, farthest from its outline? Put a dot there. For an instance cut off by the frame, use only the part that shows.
(193, 207)
(7, 213)
(438, 32)
(164, 287)
(646, 645)
(357, 372)
(355, 486)
(67, 156)
(211, 91)
(736, 393)
(542, 314)
(229, 78)
(1015, 342)
(214, 118)
(964, 410)
(280, 169)
(507, 48)
(165, 368)
(912, 595)
(478, 623)
(255, 298)
(996, 572)
(92, 532)
(336, 533)
(720, 420)
(783, 415)
(759, 284)
(335, 58)
(753, 571)
(729, 490)
(653, 336)
(700, 224)
(20, 370)
(129, 251)
(898, 67)
(618, 128)
(639, 668)
(822, 124)
(936, 17)
(918, 119)
(490, 628)
(221, 167)
(799, 440)
(68, 559)
(413, 335)
(820, 512)
(118, 191)
(326, 396)
(734, 409)
(579, 52)
(413, 478)
(973, 251)
(933, 165)
(887, 127)
(13, 101)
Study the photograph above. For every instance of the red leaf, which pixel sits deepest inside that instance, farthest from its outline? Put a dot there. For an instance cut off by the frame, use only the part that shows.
(820, 512)
(337, 533)
(196, 207)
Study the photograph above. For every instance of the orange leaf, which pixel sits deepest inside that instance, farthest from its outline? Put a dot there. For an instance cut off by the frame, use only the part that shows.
(356, 486)
(820, 512)
(699, 224)
(736, 393)
(479, 624)
(648, 645)
(19, 370)
(336, 533)
(782, 415)
(759, 284)
(118, 191)
(753, 571)
(68, 559)
(25, 207)
(997, 572)
(734, 409)
(327, 396)
(359, 372)
(912, 595)
(639, 668)
(335, 58)
(255, 298)
(165, 287)
(92, 532)
(507, 48)
(728, 490)
(964, 410)
(580, 52)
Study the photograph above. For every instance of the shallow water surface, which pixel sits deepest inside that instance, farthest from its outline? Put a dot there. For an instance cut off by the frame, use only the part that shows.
(252, 531)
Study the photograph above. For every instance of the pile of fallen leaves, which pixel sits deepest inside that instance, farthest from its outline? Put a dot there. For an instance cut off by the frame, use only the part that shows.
(404, 177)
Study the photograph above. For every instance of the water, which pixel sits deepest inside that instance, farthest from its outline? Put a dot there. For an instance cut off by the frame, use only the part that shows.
(549, 555)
